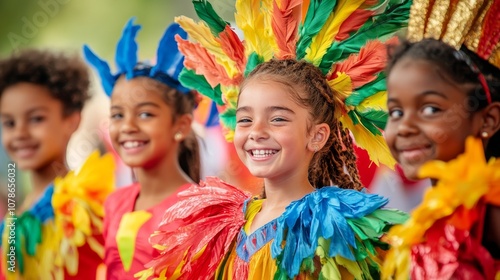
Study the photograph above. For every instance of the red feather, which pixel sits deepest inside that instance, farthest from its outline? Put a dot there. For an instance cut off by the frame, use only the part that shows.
(199, 229)
(198, 58)
(285, 24)
(363, 67)
(233, 47)
(353, 23)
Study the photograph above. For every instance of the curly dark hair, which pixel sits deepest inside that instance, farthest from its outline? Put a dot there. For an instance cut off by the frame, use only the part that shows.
(65, 76)
(458, 67)
(335, 163)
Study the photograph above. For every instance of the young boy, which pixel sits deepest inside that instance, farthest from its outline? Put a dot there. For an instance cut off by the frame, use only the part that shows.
(42, 94)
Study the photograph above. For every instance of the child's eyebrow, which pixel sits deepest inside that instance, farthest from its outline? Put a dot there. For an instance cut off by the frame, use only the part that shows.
(243, 109)
(41, 108)
(279, 108)
(147, 104)
(431, 92)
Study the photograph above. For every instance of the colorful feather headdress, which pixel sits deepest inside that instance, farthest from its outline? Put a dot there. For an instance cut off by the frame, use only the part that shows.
(169, 61)
(344, 39)
(475, 24)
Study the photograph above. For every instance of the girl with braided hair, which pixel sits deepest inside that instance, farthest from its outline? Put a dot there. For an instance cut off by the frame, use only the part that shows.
(290, 111)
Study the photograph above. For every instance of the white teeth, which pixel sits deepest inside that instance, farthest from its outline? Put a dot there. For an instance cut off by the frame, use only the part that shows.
(263, 153)
(132, 144)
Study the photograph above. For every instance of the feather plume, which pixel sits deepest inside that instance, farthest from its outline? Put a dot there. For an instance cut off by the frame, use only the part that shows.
(201, 34)
(324, 39)
(317, 14)
(189, 78)
(233, 47)
(374, 145)
(197, 234)
(285, 23)
(383, 25)
(198, 59)
(206, 12)
(126, 50)
(251, 21)
(353, 23)
(168, 59)
(107, 79)
(364, 67)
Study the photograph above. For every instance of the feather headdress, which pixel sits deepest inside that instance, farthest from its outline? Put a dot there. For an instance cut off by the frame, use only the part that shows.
(169, 61)
(344, 39)
(475, 24)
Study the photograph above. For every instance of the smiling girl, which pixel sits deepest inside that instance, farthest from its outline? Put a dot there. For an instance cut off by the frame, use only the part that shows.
(151, 115)
(290, 105)
(444, 118)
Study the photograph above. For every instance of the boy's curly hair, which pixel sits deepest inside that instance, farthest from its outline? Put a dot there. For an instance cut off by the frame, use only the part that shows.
(65, 76)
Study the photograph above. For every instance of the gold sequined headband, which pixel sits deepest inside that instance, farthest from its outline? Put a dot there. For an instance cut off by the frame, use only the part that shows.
(473, 23)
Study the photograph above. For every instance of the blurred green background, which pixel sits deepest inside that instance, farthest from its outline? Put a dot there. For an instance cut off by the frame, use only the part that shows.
(67, 25)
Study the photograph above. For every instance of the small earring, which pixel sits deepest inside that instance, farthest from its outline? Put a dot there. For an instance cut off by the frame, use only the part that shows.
(484, 134)
(315, 147)
(178, 136)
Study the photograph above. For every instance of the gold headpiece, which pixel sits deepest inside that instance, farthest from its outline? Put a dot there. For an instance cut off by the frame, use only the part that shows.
(473, 23)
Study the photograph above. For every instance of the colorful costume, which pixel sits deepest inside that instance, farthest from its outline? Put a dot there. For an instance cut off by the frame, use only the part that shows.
(443, 236)
(60, 236)
(330, 233)
(126, 231)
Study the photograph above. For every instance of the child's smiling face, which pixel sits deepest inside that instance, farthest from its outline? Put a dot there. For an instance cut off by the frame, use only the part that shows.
(271, 135)
(35, 132)
(429, 116)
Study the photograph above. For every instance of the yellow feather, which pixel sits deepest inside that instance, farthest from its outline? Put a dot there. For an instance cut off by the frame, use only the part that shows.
(342, 86)
(325, 37)
(250, 19)
(267, 9)
(375, 145)
(200, 32)
(377, 101)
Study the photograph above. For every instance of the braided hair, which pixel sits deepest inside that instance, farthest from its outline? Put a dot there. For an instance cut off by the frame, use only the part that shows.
(335, 163)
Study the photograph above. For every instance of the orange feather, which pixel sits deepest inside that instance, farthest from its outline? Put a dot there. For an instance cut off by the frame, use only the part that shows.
(233, 47)
(364, 67)
(198, 59)
(285, 24)
(353, 23)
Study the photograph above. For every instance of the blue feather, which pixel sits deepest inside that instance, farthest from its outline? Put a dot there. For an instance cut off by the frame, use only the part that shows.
(102, 67)
(324, 214)
(126, 50)
(168, 58)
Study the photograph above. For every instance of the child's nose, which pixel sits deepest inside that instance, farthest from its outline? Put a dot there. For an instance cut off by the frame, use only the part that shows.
(129, 125)
(21, 130)
(407, 126)
(258, 131)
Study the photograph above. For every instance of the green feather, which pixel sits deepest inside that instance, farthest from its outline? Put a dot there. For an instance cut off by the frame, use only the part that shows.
(374, 87)
(253, 60)
(357, 119)
(317, 14)
(376, 117)
(382, 26)
(190, 79)
(228, 118)
(206, 12)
